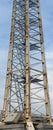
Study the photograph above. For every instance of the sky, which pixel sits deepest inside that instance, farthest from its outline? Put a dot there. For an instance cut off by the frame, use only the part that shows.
(5, 23)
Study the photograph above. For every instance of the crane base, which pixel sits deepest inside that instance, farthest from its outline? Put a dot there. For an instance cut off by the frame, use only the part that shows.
(44, 127)
(22, 127)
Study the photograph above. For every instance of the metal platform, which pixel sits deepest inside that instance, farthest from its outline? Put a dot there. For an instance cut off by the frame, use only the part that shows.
(12, 127)
(45, 127)
(22, 127)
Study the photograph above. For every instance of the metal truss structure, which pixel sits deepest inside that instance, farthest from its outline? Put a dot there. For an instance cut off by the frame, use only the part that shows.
(26, 87)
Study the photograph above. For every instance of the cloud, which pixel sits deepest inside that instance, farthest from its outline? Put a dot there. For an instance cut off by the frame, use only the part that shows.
(3, 66)
(5, 21)
(49, 55)
(50, 78)
(49, 59)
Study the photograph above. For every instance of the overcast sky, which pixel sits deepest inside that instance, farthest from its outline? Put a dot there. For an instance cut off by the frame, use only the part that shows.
(5, 22)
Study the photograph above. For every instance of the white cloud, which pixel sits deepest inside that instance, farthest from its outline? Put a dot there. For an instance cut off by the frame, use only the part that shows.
(3, 65)
(49, 55)
(50, 85)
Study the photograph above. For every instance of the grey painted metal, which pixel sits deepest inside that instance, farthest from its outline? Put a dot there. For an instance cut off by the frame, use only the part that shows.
(12, 127)
(22, 127)
(26, 88)
(45, 127)
(12, 118)
(0, 116)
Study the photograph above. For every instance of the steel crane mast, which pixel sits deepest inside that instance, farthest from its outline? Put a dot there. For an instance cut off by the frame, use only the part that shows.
(26, 88)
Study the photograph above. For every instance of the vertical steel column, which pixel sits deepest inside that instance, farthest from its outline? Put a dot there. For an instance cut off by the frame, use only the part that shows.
(9, 70)
(27, 85)
(46, 91)
(15, 77)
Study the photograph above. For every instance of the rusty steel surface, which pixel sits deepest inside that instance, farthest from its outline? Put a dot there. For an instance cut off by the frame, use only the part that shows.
(26, 88)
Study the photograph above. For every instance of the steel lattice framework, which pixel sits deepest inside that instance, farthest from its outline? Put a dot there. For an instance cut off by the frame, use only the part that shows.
(26, 87)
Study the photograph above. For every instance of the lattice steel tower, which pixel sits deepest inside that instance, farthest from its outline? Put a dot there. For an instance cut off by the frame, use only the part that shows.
(26, 88)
